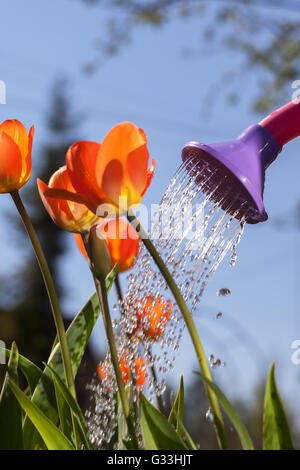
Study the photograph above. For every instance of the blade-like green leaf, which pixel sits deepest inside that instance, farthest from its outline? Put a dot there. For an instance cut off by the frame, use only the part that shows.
(64, 393)
(148, 438)
(11, 437)
(177, 408)
(122, 424)
(112, 445)
(158, 433)
(78, 335)
(185, 433)
(128, 445)
(276, 431)
(31, 372)
(64, 412)
(52, 436)
(232, 415)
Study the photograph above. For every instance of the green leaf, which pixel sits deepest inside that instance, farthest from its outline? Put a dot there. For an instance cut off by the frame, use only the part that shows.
(11, 436)
(128, 445)
(52, 436)
(187, 436)
(31, 372)
(78, 335)
(64, 412)
(122, 424)
(276, 431)
(157, 432)
(64, 393)
(112, 445)
(232, 414)
(176, 413)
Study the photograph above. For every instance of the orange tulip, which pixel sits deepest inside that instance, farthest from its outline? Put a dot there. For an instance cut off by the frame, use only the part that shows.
(153, 318)
(80, 244)
(103, 371)
(122, 241)
(116, 168)
(140, 371)
(68, 215)
(15, 155)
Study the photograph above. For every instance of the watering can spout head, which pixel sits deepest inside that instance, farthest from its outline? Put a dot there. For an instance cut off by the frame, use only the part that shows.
(232, 173)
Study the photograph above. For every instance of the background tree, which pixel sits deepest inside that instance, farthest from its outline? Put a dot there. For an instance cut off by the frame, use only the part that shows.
(264, 33)
(25, 313)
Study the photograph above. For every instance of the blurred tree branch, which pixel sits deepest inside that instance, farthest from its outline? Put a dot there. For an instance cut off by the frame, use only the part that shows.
(265, 33)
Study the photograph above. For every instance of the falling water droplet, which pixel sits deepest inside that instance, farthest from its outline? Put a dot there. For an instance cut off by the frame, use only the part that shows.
(216, 363)
(223, 292)
(209, 415)
(233, 256)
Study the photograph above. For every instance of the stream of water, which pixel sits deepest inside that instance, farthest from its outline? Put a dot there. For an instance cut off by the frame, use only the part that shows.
(193, 234)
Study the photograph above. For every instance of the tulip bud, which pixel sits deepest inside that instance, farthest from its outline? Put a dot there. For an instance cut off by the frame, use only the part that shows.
(98, 252)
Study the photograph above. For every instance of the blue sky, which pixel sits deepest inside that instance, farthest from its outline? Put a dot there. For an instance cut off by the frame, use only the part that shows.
(151, 84)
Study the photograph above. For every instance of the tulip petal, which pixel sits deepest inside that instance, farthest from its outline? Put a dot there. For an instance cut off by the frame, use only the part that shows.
(10, 164)
(51, 205)
(28, 164)
(120, 141)
(63, 194)
(16, 130)
(67, 213)
(81, 162)
(150, 174)
(80, 244)
(123, 242)
(112, 180)
(128, 246)
(136, 165)
(57, 209)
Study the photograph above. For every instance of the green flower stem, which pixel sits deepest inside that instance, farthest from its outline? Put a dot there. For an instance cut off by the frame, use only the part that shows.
(119, 290)
(57, 315)
(204, 366)
(102, 295)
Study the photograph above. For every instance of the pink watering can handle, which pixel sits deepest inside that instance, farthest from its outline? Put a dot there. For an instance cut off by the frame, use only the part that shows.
(284, 123)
